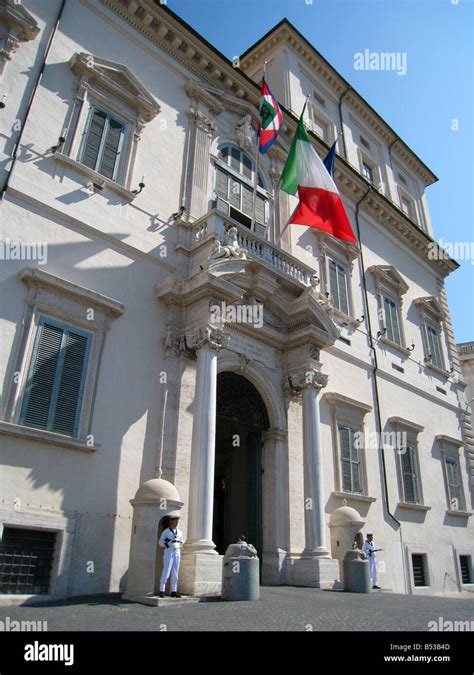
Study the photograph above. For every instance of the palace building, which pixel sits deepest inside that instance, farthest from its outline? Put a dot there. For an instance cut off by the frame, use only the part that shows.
(163, 351)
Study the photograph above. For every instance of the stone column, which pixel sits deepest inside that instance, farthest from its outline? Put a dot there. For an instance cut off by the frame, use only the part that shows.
(309, 383)
(315, 568)
(275, 505)
(201, 566)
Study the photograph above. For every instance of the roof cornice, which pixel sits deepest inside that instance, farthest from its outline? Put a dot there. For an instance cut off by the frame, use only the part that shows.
(286, 32)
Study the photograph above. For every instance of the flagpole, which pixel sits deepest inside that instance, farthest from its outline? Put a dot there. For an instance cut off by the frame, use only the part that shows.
(294, 210)
(255, 182)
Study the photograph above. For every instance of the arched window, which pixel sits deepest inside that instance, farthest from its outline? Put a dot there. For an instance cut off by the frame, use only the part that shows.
(235, 181)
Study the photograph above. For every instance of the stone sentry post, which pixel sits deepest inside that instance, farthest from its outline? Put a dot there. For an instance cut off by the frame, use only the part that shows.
(315, 567)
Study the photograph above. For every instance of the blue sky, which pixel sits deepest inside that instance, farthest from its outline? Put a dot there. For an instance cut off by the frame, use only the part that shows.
(438, 38)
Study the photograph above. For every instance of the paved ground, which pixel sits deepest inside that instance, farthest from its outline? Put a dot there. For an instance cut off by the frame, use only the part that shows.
(279, 609)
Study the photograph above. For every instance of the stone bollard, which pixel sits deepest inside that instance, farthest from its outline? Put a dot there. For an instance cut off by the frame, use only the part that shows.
(240, 572)
(356, 572)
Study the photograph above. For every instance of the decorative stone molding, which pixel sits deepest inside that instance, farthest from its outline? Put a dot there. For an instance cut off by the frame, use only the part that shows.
(116, 79)
(201, 121)
(215, 338)
(16, 25)
(388, 276)
(430, 308)
(295, 383)
(38, 279)
(199, 94)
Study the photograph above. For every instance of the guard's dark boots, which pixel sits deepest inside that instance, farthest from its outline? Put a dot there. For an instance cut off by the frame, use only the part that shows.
(161, 594)
(174, 594)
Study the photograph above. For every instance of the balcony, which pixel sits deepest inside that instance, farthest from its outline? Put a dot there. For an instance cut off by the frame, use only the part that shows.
(197, 240)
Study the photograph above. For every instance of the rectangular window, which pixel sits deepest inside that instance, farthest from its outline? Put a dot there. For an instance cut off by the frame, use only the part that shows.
(26, 561)
(350, 460)
(410, 476)
(453, 479)
(465, 565)
(56, 378)
(319, 127)
(365, 142)
(433, 345)
(419, 570)
(392, 320)
(338, 286)
(407, 207)
(102, 143)
(368, 173)
(319, 99)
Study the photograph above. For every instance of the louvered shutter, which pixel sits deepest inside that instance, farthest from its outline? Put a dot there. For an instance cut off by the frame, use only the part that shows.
(333, 282)
(343, 304)
(355, 465)
(344, 440)
(260, 210)
(221, 184)
(112, 147)
(42, 377)
(93, 139)
(70, 384)
(247, 200)
(234, 197)
(56, 379)
(408, 476)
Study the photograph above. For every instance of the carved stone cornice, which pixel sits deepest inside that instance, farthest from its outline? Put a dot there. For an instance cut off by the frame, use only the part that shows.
(158, 25)
(16, 25)
(285, 32)
(207, 336)
(199, 94)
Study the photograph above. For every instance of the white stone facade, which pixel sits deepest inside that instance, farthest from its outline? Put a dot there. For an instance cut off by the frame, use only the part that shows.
(132, 261)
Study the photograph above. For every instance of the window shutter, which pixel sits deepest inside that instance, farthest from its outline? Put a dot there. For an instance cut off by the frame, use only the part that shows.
(234, 197)
(454, 485)
(56, 377)
(221, 184)
(93, 140)
(333, 283)
(343, 304)
(408, 477)
(344, 441)
(355, 465)
(395, 325)
(247, 168)
(247, 200)
(42, 377)
(260, 210)
(70, 383)
(112, 146)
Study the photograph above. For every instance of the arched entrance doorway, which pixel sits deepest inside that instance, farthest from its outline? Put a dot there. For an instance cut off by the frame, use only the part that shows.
(241, 419)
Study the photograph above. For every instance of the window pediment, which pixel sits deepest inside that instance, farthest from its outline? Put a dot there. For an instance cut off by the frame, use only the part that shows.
(430, 307)
(18, 21)
(387, 275)
(117, 80)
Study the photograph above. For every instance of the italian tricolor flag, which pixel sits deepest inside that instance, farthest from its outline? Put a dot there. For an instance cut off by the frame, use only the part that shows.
(320, 204)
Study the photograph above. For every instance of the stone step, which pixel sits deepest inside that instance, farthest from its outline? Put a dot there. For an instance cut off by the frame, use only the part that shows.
(156, 601)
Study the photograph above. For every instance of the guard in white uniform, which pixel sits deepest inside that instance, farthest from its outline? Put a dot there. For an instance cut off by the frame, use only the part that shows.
(171, 540)
(369, 550)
